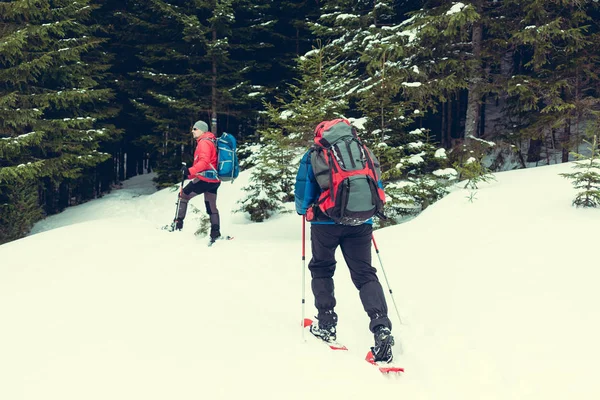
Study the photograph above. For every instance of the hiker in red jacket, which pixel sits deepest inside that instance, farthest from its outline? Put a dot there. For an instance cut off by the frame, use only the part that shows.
(204, 179)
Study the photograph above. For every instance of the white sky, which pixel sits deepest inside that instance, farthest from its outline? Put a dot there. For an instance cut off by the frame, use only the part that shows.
(499, 300)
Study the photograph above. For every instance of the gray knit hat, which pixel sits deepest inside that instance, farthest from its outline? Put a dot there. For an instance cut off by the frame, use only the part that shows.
(201, 125)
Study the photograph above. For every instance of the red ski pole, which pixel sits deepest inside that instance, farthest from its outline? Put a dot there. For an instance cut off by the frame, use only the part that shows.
(303, 271)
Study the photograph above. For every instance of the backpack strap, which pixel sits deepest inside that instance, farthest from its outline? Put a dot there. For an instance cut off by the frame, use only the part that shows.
(350, 153)
(214, 141)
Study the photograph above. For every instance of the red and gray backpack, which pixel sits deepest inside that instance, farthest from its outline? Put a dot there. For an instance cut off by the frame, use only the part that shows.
(347, 173)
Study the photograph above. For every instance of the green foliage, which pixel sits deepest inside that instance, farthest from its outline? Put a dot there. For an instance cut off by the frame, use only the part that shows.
(202, 219)
(183, 60)
(420, 177)
(19, 210)
(587, 179)
(468, 162)
(474, 172)
(53, 110)
(316, 96)
(271, 183)
(438, 55)
(551, 92)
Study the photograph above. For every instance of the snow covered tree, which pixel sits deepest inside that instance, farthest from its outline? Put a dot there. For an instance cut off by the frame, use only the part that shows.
(19, 210)
(317, 96)
(164, 77)
(444, 59)
(387, 88)
(420, 178)
(554, 87)
(271, 182)
(347, 29)
(183, 61)
(51, 106)
(468, 161)
(587, 179)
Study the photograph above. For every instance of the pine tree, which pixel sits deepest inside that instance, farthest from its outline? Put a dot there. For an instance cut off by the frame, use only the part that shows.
(587, 180)
(187, 61)
(440, 53)
(51, 107)
(19, 210)
(420, 178)
(554, 89)
(163, 77)
(468, 161)
(349, 28)
(317, 96)
(292, 31)
(391, 95)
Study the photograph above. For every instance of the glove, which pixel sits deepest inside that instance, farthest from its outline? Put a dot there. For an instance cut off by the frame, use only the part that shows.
(185, 171)
(310, 213)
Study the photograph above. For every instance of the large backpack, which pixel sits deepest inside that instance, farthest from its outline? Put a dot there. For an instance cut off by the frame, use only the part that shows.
(228, 167)
(347, 173)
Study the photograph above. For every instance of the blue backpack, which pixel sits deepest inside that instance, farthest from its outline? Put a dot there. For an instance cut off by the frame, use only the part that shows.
(228, 166)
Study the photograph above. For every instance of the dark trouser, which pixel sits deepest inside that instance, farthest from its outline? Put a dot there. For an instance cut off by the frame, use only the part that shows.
(355, 242)
(209, 189)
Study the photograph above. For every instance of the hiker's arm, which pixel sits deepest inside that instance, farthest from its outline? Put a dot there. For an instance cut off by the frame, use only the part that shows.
(202, 160)
(306, 190)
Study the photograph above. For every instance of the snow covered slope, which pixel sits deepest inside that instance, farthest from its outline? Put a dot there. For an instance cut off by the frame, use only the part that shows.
(498, 299)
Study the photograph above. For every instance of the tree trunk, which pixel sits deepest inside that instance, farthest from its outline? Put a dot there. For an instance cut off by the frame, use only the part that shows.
(444, 134)
(475, 80)
(565, 140)
(213, 122)
(131, 166)
(451, 119)
(534, 151)
(578, 113)
(552, 145)
(382, 109)
(122, 156)
(481, 132)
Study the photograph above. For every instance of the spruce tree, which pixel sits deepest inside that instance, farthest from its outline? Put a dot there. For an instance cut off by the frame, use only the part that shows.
(439, 50)
(317, 96)
(185, 61)
(347, 28)
(389, 97)
(587, 179)
(468, 161)
(51, 107)
(157, 48)
(554, 90)
(420, 177)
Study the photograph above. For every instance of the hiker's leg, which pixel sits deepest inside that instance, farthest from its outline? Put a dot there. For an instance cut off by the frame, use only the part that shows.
(189, 192)
(210, 201)
(356, 248)
(324, 241)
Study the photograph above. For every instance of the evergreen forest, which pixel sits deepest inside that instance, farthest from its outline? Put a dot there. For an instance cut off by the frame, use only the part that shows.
(93, 92)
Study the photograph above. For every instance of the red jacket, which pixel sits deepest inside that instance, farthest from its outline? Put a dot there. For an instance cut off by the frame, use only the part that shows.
(205, 157)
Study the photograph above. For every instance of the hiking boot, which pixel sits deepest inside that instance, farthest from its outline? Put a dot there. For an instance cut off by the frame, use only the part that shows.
(325, 332)
(382, 351)
(177, 225)
(215, 232)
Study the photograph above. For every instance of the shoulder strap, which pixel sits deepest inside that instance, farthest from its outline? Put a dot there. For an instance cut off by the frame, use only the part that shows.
(214, 141)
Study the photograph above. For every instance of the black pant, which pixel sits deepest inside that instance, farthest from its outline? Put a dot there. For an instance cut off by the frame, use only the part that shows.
(355, 242)
(209, 189)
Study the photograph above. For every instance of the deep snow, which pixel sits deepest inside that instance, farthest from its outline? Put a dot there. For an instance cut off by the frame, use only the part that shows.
(498, 299)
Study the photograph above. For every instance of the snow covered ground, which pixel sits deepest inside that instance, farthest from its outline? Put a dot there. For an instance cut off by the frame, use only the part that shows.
(498, 297)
